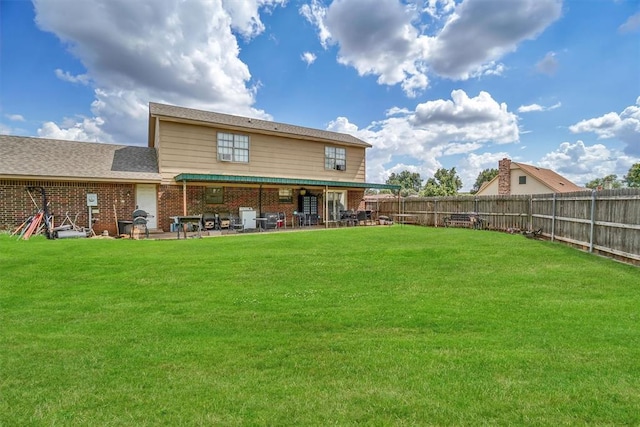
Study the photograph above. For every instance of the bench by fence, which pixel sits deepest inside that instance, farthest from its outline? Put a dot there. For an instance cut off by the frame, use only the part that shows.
(469, 220)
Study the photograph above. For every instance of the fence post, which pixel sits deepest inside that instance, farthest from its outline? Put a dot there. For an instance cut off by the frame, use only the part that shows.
(553, 218)
(593, 219)
(435, 212)
(530, 226)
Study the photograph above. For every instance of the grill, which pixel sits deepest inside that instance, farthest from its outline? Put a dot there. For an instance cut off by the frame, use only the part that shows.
(140, 223)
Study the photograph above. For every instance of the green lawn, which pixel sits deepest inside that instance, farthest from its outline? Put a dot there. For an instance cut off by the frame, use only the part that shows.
(365, 325)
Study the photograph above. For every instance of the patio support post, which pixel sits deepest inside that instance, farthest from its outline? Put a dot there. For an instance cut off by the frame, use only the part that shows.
(326, 206)
(184, 198)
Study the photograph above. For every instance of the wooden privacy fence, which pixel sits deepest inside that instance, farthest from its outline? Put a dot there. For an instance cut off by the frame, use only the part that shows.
(606, 221)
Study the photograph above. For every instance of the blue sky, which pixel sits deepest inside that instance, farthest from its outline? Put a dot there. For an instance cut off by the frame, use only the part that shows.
(429, 83)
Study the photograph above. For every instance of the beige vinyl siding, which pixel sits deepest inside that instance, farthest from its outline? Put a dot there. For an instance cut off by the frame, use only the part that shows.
(192, 149)
(533, 186)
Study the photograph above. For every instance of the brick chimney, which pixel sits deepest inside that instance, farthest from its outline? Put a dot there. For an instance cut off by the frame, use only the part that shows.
(504, 177)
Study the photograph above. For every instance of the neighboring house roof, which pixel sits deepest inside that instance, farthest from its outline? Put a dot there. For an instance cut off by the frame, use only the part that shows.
(88, 161)
(551, 179)
(250, 124)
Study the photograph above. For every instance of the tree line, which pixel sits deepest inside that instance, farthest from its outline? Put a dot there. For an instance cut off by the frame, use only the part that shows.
(446, 182)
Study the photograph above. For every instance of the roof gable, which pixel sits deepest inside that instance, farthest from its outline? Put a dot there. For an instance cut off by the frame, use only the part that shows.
(53, 158)
(556, 182)
(247, 123)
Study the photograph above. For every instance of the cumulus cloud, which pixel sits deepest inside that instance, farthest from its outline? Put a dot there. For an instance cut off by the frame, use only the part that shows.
(437, 128)
(468, 119)
(183, 53)
(624, 126)
(388, 39)
(84, 129)
(481, 31)
(581, 163)
(377, 37)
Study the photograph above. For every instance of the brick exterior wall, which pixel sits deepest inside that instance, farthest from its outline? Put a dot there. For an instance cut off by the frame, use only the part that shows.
(504, 177)
(70, 198)
(66, 198)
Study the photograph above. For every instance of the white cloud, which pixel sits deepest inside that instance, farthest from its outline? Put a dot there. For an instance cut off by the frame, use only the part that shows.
(376, 37)
(84, 129)
(536, 107)
(481, 31)
(15, 117)
(387, 38)
(245, 17)
(308, 57)
(631, 25)
(315, 14)
(182, 53)
(468, 119)
(581, 163)
(68, 77)
(624, 126)
(434, 129)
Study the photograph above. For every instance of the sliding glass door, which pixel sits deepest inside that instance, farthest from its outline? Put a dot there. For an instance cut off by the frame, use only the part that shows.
(336, 202)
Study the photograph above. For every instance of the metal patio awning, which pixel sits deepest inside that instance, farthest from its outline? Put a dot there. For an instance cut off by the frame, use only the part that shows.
(241, 179)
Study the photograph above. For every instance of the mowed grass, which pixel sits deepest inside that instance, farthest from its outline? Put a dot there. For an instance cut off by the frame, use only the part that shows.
(365, 325)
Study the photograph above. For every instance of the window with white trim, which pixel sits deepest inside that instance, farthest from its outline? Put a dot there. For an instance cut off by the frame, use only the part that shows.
(335, 158)
(233, 147)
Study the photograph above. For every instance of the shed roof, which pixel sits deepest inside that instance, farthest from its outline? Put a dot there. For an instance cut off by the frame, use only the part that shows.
(247, 123)
(89, 161)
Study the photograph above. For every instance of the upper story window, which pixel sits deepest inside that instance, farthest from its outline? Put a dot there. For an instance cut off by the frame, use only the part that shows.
(233, 148)
(522, 179)
(335, 158)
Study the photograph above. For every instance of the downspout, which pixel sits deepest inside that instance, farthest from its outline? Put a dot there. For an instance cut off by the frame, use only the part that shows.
(260, 201)
(184, 197)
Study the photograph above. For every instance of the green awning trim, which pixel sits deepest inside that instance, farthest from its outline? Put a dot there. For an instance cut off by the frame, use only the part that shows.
(239, 179)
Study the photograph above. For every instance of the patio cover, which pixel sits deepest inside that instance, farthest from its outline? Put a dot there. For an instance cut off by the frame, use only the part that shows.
(240, 179)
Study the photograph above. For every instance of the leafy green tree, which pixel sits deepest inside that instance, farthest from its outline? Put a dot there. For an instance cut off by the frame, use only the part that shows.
(445, 182)
(484, 176)
(609, 181)
(632, 178)
(410, 182)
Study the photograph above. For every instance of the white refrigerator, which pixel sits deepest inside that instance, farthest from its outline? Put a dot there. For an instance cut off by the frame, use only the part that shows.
(248, 218)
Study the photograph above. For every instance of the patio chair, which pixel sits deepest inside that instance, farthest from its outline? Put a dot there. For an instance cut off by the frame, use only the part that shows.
(282, 220)
(235, 224)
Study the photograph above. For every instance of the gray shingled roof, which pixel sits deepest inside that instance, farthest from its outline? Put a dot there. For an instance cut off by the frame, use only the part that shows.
(252, 124)
(52, 158)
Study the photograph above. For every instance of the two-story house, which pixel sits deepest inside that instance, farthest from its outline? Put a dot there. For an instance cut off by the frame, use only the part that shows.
(195, 162)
